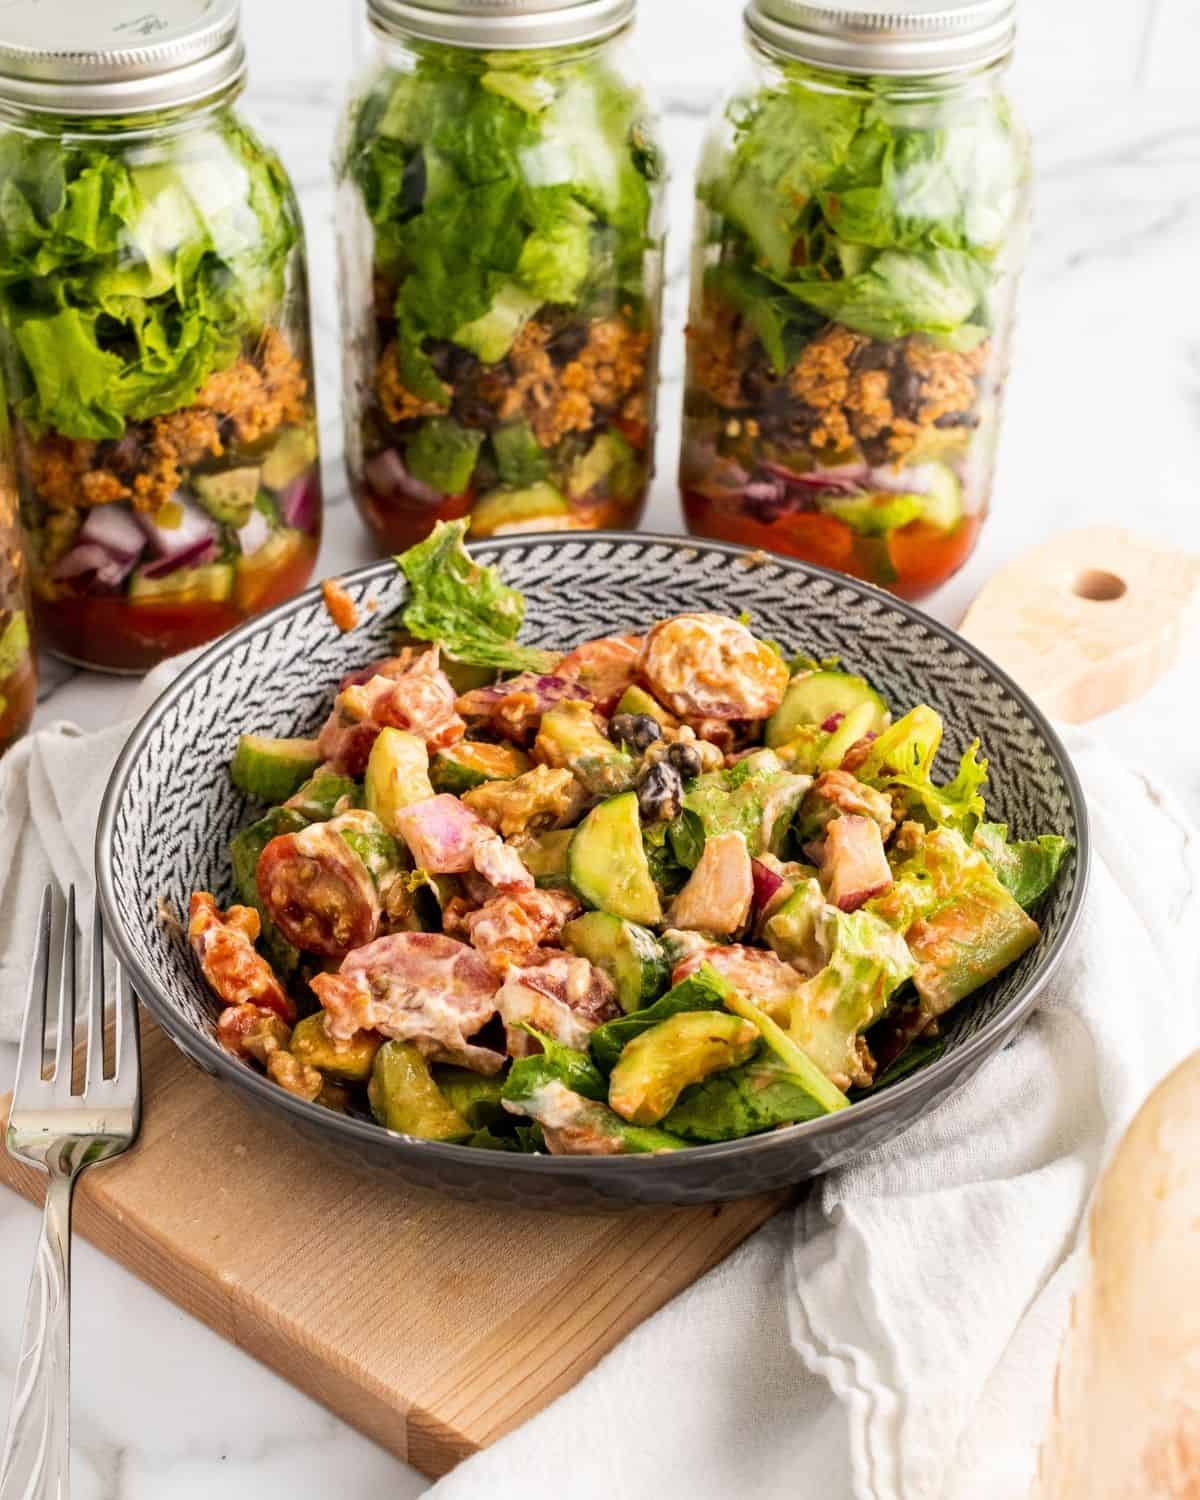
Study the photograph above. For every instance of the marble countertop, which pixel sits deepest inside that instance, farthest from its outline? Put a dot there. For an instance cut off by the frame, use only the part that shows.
(1103, 424)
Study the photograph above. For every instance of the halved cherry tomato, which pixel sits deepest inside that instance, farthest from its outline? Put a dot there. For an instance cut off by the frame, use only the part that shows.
(605, 667)
(318, 892)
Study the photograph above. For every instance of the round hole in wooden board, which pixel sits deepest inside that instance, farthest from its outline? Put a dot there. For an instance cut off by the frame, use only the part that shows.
(1099, 586)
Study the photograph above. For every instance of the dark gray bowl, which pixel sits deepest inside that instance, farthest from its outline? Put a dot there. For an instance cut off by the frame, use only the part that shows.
(170, 810)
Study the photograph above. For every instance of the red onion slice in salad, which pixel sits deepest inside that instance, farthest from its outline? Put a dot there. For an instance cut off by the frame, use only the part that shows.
(90, 565)
(202, 551)
(390, 480)
(298, 503)
(766, 885)
(114, 528)
(846, 479)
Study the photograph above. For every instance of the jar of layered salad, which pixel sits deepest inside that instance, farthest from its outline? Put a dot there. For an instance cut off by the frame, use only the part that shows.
(863, 206)
(154, 331)
(501, 269)
(18, 667)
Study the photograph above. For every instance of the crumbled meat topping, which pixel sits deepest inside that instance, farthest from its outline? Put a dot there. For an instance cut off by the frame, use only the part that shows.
(398, 402)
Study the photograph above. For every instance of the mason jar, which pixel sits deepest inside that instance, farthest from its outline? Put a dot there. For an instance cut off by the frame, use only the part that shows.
(18, 664)
(863, 204)
(154, 331)
(501, 238)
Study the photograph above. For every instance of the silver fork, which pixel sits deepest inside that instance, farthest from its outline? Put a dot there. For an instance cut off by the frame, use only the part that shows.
(61, 1131)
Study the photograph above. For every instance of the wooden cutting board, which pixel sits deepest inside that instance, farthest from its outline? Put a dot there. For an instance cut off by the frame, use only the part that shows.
(432, 1325)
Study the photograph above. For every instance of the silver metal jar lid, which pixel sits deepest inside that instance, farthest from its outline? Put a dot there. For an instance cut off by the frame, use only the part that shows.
(904, 38)
(117, 57)
(497, 25)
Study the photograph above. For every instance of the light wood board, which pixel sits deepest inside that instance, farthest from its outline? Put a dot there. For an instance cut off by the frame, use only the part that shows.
(432, 1325)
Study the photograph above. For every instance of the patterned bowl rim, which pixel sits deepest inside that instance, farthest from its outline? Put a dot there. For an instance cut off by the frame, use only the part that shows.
(196, 1044)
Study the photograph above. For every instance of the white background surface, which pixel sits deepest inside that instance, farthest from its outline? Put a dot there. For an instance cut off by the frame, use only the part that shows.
(1103, 425)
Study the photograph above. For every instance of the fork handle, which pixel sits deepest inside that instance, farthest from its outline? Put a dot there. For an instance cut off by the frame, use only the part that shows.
(36, 1462)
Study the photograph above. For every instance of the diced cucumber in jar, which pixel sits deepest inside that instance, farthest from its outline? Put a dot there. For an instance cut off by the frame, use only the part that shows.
(817, 697)
(211, 584)
(540, 507)
(611, 462)
(630, 955)
(228, 497)
(470, 763)
(273, 769)
(520, 459)
(943, 499)
(294, 450)
(608, 866)
(442, 454)
(878, 514)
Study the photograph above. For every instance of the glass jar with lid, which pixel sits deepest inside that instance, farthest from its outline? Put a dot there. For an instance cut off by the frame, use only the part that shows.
(154, 330)
(500, 230)
(863, 202)
(18, 667)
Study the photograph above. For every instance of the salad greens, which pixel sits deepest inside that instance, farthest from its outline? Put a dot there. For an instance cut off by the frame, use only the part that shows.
(511, 201)
(125, 283)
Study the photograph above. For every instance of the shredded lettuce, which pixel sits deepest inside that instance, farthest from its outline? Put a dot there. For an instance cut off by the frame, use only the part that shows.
(467, 609)
(125, 284)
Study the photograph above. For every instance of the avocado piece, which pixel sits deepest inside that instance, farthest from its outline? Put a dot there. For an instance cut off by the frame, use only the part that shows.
(475, 1096)
(610, 462)
(757, 798)
(211, 584)
(607, 865)
(259, 573)
(472, 762)
(655, 1068)
(442, 454)
(539, 507)
(630, 955)
(397, 775)
(758, 1095)
(273, 769)
(493, 335)
(545, 856)
(294, 450)
(520, 458)
(349, 1063)
(568, 738)
(703, 990)
(813, 698)
(366, 836)
(636, 700)
(404, 1097)
(228, 497)
(324, 795)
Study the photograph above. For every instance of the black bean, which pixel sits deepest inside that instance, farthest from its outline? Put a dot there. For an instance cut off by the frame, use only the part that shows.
(686, 760)
(638, 731)
(660, 793)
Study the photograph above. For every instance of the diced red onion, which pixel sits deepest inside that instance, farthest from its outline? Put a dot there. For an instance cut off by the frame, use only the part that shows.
(919, 479)
(766, 884)
(91, 564)
(388, 477)
(832, 722)
(202, 551)
(845, 479)
(255, 534)
(114, 528)
(196, 526)
(298, 503)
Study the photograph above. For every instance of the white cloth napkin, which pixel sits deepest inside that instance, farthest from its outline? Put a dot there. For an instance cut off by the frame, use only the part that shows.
(892, 1339)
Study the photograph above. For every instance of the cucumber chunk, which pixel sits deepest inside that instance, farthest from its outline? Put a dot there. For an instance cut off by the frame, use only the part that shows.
(816, 697)
(636, 700)
(472, 762)
(943, 499)
(607, 862)
(245, 848)
(630, 955)
(539, 507)
(324, 796)
(857, 723)
(271, 769)
(545, 856)
(229, 496)
(211, 584)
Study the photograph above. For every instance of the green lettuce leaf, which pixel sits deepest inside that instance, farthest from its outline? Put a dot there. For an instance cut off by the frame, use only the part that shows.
(472, 614)
(1026, 868)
